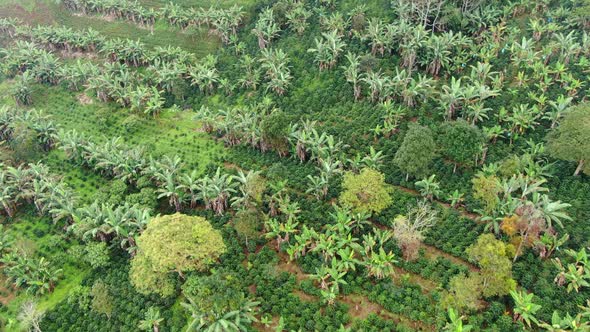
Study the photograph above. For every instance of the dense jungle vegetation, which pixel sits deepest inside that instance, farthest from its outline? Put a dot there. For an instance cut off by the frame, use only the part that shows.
(294, 165)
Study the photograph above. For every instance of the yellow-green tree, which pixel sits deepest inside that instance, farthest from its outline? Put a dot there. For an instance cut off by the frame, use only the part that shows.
(464, 293)
(365, 192)
(491, 255)
(173, 244)
(571, 140)
(486, 190)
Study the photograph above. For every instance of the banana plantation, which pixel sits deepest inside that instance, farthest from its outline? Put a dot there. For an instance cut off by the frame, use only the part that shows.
(294, 165)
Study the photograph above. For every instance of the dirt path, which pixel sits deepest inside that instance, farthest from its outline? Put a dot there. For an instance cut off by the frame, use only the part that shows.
(426, 284)
(7, 292)
(258, 326)
(292, 268)
(360, 307)
(304, 296)
(432, 252)
(232, 166)
(462, 212)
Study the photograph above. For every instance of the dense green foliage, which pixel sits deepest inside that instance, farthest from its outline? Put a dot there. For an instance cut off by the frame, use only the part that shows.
(173, 243)
(333, 165)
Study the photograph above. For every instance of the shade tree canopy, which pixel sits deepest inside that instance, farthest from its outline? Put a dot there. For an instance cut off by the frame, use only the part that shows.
(570, 141)
(460, 142)
(173, 243)
(365, 192)
(416, 152)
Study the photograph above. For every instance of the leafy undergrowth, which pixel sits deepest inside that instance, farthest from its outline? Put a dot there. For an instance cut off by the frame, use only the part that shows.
(38, 236)
(173, 133)
(83, 181)
(412, 297)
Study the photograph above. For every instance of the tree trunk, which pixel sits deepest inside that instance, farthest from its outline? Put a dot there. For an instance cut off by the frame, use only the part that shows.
(8, 210)
(357, 92)
(483, 156)
(519, 249)
(579, 168)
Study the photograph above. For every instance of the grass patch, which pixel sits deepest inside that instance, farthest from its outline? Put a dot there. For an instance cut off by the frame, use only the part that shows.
(198, 41)
(27, 5)
(73, 276)
(44, 12)
(84, 182)
(173, 133)
(37, 235)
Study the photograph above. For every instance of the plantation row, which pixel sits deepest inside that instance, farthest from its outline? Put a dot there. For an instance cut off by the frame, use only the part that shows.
(60, 38)
(480, 106)
(115, 82)
(123, 223)
(403, 86)
(223, 22)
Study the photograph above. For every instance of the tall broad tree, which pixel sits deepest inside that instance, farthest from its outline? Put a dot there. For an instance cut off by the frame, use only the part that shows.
(365, 192)
(491, 255)
(173, 243)
(416, 152)
(571, 139)
(460, 143)
(464, 293)
(486, 190)
(102, 299)
(275, 132)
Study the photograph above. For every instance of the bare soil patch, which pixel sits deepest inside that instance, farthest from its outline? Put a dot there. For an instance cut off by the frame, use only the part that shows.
(39, 15)
(7, 292)
(360, 308)
(292, 268)
(84, 99)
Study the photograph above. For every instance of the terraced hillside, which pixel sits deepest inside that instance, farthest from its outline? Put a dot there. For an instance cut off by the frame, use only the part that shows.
(323, 165)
